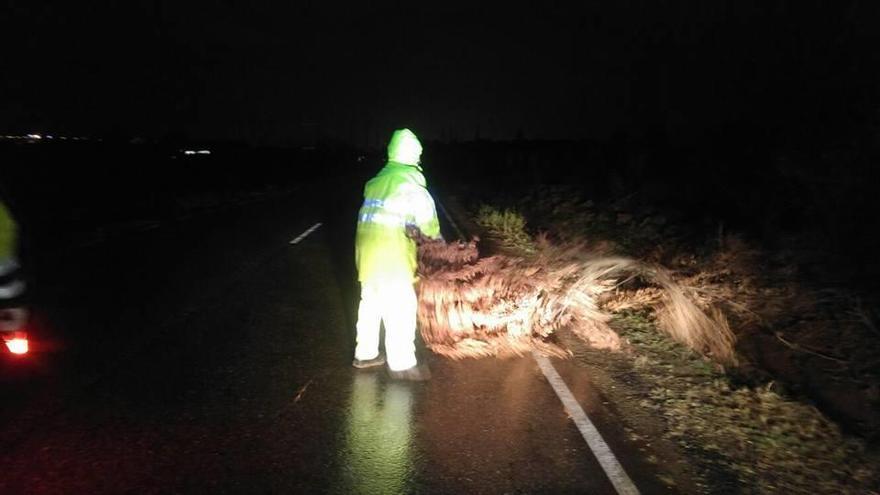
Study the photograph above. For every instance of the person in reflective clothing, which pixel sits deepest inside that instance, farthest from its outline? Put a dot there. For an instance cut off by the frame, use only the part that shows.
(11, 284)
(13, 315)
(395, 199)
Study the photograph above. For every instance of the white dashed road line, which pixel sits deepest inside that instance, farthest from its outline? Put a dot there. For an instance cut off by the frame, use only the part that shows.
(621, 481)
(306, 233)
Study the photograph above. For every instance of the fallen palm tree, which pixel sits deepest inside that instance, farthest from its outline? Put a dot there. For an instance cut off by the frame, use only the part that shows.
(496, 305)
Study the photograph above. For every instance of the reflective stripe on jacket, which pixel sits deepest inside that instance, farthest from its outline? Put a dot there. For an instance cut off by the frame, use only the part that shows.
(394, 199)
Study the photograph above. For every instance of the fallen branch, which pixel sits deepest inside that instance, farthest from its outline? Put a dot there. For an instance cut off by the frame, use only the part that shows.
(798, 347)
(497, 305)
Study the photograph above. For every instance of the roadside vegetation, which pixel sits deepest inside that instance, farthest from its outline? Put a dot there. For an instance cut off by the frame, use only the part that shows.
(793, 410)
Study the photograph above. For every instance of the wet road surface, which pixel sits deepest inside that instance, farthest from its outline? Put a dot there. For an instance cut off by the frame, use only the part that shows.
(211, 355)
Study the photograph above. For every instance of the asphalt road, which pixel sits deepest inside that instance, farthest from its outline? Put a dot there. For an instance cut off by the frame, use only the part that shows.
(210, 355)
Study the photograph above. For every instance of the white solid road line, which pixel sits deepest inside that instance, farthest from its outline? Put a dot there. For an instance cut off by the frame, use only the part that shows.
(621, 481)
(306, 233)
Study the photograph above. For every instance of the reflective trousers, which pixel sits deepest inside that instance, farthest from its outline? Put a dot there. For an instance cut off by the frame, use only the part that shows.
(394, 304)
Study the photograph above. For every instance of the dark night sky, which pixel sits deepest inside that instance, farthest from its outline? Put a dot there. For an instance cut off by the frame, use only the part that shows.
(261, 71)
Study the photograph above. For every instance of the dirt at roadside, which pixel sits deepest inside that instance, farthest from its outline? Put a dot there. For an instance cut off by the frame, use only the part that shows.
(737, 438)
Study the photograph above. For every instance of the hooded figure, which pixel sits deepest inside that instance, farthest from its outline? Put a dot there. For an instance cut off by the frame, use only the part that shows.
(396, 198)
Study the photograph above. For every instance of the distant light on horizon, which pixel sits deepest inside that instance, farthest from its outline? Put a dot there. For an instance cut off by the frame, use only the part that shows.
(37, 137)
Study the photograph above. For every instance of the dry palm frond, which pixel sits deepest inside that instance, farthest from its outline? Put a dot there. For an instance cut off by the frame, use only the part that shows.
(498, 305)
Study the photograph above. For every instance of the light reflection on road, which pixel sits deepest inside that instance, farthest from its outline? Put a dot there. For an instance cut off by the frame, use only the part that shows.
(378, 443)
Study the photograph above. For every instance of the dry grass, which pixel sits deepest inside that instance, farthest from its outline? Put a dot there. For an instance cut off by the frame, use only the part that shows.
(764, 440)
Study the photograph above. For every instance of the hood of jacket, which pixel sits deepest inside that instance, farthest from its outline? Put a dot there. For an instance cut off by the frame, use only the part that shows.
(405, 148)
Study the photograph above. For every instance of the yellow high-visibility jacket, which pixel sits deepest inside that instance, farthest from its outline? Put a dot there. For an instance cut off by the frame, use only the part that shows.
(395, 198)
(8, 234)
(11, 285)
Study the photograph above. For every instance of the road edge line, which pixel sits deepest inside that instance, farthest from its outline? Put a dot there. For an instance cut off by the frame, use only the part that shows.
(615, 472)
